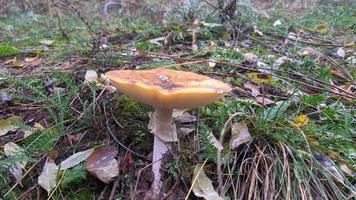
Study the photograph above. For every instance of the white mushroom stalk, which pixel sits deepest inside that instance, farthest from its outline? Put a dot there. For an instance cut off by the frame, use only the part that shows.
(164, 129)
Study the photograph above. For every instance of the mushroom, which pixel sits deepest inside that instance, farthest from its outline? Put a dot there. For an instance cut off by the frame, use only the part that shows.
(166, 90)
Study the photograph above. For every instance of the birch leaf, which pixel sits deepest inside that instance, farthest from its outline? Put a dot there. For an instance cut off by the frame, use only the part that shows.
(239, 135)
(75, 159)
(102, 164)
(47, 179)
(203, 186)
(12, 149)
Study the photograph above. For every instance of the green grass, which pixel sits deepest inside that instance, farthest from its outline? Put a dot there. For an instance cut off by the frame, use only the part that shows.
(279, 160)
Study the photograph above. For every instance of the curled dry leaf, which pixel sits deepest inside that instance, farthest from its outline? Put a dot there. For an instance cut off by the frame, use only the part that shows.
(264, 101)
(102, 164)
(202, 185)
(75, 159)
(216, 143)
(7, 125)
(254, 89)
(182, 116)
(48, 176)
(239, 135)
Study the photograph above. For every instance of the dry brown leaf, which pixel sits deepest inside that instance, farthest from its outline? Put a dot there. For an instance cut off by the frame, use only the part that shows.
(264, 101)
(254, 89)
(102, 164)
(239, 135)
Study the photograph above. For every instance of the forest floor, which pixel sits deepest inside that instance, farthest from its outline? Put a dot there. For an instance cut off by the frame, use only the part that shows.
(286, 131)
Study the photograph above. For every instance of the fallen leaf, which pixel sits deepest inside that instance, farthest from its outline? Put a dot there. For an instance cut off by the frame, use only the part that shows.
(7, 125)
(31, 59)
(340, 52)
(308, 51)
(202, 185)
(257, 31)
(27, 133)
(239, 135)
(260, 78)
(48, 176)
(102, 164)
(47, 42)
(185, 131)
(12, 149)
(17, 63)
(182, 116)
(38, 126)
(5, 98)
(280, 61)
(246, 43)
(75, 159)
(157, 41)
(16, 170)
(216, 143)
(277, 23)
(301, 121)
(264, 101)
(127, 164)
(321, 28)
(251, 58)
(347, 170)
(254, 89)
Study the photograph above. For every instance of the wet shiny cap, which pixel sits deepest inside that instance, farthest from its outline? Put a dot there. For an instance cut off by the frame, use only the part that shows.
(168, 89)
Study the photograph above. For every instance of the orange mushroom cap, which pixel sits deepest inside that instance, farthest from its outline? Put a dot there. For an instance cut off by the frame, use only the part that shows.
(169, 89)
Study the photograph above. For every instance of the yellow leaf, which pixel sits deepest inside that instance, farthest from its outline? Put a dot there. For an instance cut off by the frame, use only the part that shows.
(47, 42)
(321, 28)
(17, 63)
(31, 59)
(301, 121)
(260, 78)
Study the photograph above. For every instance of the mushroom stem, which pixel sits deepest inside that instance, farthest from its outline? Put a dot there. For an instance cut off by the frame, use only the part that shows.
(159, 149)
(163, 127)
